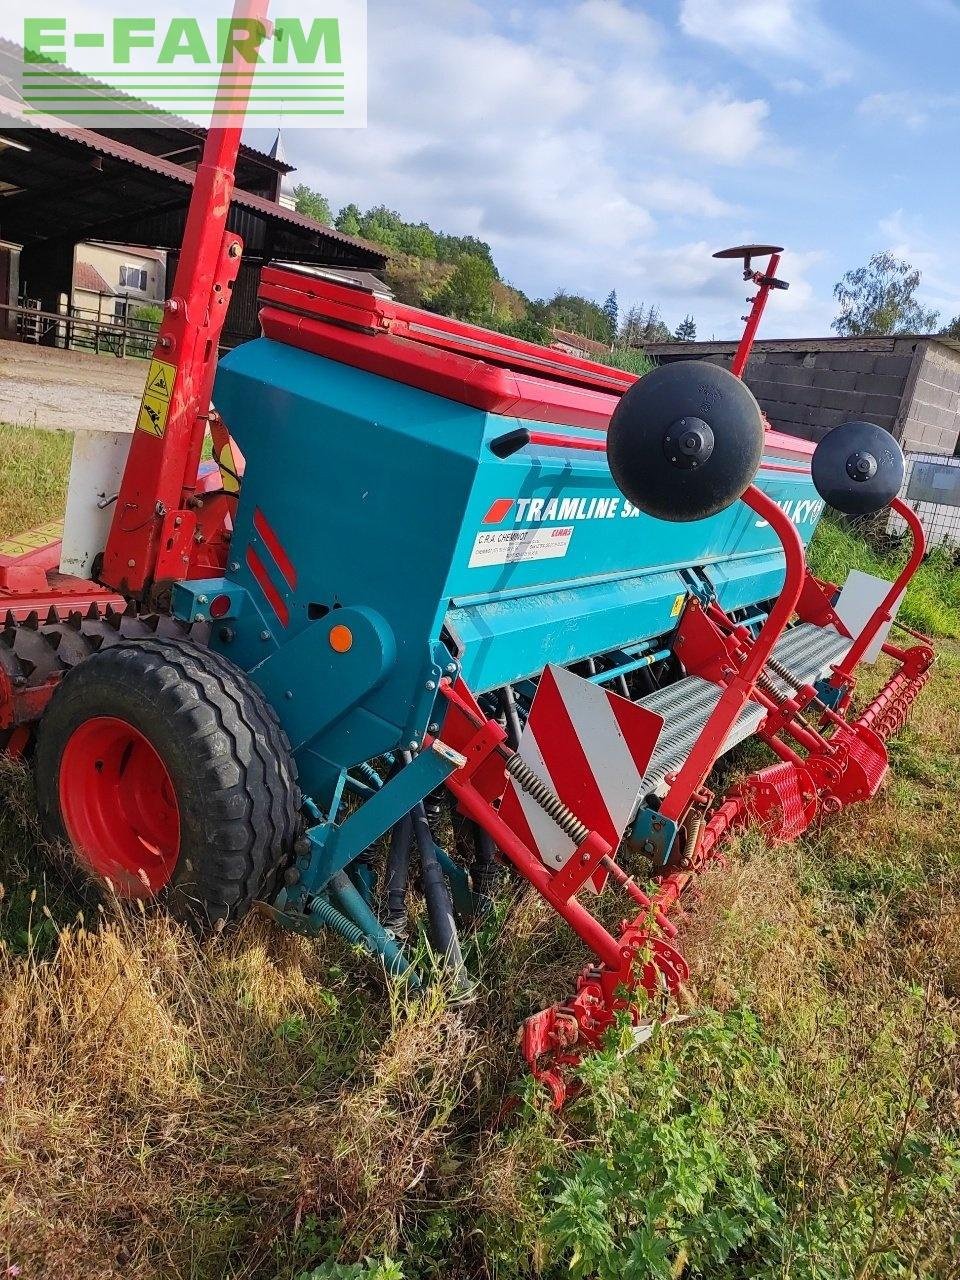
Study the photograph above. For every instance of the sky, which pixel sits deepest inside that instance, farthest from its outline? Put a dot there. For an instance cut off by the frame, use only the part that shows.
(615, 144)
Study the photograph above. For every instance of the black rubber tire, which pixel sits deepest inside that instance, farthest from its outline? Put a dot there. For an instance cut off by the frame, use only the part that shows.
(228, 759)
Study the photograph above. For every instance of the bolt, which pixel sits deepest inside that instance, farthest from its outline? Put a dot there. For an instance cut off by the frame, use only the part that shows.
(451, 668)
(234, 566)
(172, 305)
(433, 728)
(202, 599)
(289, 695)
(648, 847)
(658, 825)
(291, 876)
(584, 858)
(431, 685)
(131, 563)
(264, 635)
(413, 745)
(160, 509)
(234, 250)
(201, 617)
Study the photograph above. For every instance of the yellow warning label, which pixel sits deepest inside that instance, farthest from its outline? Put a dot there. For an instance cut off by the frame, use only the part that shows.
(153, 415)
(24, 543)
(228, 470)
(677, 607)
(161, 378)
(155, 405)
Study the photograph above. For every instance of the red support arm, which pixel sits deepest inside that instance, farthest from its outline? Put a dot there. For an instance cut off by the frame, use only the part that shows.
(151, 537)
(755, 316)
(741, 686)
(885, 610)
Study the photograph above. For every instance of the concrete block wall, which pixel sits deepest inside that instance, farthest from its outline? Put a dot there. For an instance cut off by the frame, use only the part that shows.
(806, 393)
(931, 416)
(910, 386)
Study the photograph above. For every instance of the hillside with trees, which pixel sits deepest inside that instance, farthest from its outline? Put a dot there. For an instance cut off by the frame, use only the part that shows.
(457, 276)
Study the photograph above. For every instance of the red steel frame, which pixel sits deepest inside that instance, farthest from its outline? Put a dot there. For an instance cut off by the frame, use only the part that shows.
(156, 527)
(844, 762)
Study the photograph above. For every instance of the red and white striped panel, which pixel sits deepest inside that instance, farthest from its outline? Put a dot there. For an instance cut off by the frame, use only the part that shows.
(592, 748)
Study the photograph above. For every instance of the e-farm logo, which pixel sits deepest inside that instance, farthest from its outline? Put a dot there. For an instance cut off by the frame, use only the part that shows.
(301, 68)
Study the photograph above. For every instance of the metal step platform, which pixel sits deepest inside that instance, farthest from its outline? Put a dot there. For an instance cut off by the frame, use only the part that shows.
(806, 651)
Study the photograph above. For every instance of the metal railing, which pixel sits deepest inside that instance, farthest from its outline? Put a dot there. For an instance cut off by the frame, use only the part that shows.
(80, 329)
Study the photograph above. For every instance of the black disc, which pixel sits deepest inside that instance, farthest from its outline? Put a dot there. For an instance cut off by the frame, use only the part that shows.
(858, 468)
(685, 441)
(749, 251)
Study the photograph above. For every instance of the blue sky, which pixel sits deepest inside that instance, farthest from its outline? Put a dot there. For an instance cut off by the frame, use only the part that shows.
(606, 144)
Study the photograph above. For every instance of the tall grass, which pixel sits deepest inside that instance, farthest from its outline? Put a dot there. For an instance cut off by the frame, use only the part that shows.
(269, 1108)
(932, 604)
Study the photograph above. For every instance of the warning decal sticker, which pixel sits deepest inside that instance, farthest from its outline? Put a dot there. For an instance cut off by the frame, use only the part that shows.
(155, 405)
(510, 546)
(24, 543)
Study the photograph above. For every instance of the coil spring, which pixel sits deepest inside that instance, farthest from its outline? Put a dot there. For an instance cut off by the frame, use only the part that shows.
(548, 800)
(788, 678)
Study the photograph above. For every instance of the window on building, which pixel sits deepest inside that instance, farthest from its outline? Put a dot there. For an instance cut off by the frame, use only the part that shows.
(936, 482)
(120, 309)
(133, 277)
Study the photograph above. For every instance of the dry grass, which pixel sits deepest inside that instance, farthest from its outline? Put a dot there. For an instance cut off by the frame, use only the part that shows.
(258, 1106)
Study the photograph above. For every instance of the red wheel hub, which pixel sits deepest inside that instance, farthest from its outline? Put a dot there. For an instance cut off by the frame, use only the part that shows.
(119, 807)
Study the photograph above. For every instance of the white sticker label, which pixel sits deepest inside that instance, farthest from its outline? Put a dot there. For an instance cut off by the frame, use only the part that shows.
(510, 546)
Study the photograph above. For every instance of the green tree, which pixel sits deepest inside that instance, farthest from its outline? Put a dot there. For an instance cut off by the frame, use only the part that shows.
(580, 315)
(687, 330)
(312, 204)
(468, 294)
(348, 220)
(952, 330)
(880, 298)
(611, 309)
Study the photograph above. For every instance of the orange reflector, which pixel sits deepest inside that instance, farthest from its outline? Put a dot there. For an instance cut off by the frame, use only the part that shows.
(341, 639)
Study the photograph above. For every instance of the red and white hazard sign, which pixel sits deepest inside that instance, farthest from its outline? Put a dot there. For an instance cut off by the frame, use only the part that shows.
(592, 748)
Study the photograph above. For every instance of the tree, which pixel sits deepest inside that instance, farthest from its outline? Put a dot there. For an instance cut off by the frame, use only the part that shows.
(468, 294)
(687, 331)
(641, 326)
(348, 220)
(952, 330)
(313, 205)
(611, 309)
(880, 299)
(580, 315)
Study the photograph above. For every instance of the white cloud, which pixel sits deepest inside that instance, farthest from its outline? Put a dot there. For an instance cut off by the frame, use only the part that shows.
(908, 108)
(756, 31)
(549, 138)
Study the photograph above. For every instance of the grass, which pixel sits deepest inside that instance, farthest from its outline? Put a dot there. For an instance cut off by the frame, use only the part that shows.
(267, 1108)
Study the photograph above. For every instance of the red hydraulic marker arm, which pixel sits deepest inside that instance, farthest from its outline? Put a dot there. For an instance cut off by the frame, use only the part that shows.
(151, 538)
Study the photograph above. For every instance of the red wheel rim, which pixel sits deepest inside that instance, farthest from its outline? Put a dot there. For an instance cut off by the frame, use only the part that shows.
(119, 806)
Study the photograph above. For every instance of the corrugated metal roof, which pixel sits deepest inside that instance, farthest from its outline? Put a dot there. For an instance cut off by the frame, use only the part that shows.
(9, 107)
(163, 119)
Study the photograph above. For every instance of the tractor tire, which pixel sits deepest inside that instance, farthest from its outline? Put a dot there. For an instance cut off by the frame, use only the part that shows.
(164, 768)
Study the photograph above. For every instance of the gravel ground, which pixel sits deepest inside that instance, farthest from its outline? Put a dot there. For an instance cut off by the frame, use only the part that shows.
(63, 390)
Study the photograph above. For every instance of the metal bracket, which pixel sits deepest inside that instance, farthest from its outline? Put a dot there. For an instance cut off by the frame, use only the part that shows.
(653, 835)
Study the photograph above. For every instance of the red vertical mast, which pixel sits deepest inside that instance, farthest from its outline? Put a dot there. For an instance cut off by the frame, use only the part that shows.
(153, 527)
